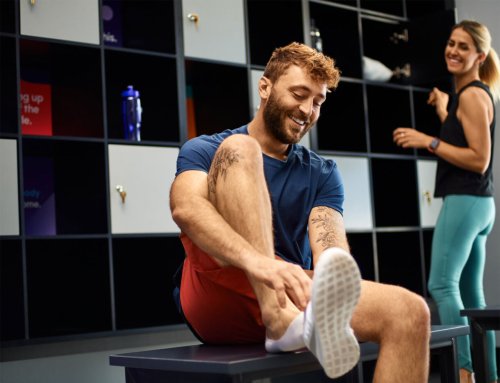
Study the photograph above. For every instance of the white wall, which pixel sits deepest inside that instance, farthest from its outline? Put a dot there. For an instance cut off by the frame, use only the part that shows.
(487, 12)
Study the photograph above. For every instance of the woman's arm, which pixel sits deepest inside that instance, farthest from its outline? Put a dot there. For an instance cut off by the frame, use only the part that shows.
(475, 112)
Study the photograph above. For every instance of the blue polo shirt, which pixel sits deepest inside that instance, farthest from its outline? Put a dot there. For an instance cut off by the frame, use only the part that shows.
(296, 185)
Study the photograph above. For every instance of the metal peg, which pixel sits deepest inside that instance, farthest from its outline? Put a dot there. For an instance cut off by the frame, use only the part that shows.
(194, 17)
(396, 38)
(404, 71)
(121, 190)
(32, 2)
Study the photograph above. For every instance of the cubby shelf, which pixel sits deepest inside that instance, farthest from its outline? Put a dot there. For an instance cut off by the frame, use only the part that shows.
(89, 247)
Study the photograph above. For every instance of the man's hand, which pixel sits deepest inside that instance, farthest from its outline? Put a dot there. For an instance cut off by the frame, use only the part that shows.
(285, 278)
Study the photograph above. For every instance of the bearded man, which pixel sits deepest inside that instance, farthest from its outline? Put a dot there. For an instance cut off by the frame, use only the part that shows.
(267, 256)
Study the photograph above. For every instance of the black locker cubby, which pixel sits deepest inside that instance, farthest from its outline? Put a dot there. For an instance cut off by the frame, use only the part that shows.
(68, 287)
(143, 269)
(341, 126)
(8, 90)
(427, 243)
(426, 119)
(388, 108)
(362, 250)
(272, 24)
(428, 67)
(74, 173)
(386, 41)
(146, 25)
(76, 99)
(395, 192)
(214, 111)
(340, 36)
(387, 7)
(399, 259)
(154, 76)
(8, 16)
(11, 290)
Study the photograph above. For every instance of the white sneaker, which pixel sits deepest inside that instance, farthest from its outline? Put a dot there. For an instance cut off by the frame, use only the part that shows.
(335, 293)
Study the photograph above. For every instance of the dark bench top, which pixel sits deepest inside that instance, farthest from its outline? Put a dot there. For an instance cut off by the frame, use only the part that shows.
(487, 312)
(232, 360)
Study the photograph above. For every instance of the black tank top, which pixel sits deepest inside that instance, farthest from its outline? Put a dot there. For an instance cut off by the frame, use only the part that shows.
(451, 179)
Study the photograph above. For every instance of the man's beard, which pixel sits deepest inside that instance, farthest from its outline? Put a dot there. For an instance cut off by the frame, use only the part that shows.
(276, 118)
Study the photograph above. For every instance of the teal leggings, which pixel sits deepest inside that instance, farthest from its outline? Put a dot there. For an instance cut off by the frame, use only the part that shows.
(457, 266)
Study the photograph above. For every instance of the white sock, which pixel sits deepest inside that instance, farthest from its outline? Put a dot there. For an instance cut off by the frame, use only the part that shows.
(292, 339)
(308, 324)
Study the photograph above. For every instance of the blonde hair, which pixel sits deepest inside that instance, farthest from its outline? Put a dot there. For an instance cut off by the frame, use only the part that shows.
(489, 71)
(320, 67)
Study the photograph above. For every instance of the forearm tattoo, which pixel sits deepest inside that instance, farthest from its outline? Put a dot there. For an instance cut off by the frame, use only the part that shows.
(223, 160)
(324, 222)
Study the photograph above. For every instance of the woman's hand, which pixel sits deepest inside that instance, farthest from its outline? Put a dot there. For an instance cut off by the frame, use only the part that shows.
(439, 100)
(411, 138)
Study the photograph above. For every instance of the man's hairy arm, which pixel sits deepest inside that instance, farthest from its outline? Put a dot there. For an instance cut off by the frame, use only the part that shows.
(197, 217)
(326, 229)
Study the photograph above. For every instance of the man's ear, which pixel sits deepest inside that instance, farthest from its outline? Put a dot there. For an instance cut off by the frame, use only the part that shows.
(265, 86)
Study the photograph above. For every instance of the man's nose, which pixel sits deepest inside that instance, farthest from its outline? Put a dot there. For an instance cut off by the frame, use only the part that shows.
(306, 107)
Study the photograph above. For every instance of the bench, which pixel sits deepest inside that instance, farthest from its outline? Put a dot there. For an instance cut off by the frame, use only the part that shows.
(246, 363)
(481, 320)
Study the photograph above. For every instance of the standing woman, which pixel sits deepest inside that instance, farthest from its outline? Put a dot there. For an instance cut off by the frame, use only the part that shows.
(464, 179)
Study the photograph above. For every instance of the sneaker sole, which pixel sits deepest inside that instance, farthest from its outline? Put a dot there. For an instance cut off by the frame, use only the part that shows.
(336, 289)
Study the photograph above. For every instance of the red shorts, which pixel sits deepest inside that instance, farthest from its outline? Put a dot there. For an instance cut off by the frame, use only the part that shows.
(218, 302)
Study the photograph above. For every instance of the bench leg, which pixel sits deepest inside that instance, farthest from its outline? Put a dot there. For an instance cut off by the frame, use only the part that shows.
(448, 362)
(479, 351)
(356, 375)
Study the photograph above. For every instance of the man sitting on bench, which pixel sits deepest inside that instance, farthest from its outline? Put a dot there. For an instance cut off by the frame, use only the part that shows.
(267, 258)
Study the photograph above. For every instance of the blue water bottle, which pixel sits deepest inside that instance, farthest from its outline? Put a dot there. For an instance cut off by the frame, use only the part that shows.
(132, 113)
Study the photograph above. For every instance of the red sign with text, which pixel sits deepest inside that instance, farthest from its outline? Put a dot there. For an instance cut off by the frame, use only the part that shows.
(36, 108)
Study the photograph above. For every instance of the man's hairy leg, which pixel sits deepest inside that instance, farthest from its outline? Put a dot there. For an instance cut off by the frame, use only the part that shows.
(238, 190)
(399, 321)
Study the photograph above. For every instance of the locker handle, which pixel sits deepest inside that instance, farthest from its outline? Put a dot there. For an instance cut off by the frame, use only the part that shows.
(194, 17)
(427, 195)
(121, 190)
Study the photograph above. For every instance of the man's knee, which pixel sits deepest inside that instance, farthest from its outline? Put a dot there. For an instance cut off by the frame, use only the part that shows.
(420, 308)
(403, 313)
(238, 156)
(389, 312)
(412, 313)
(241, 145)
